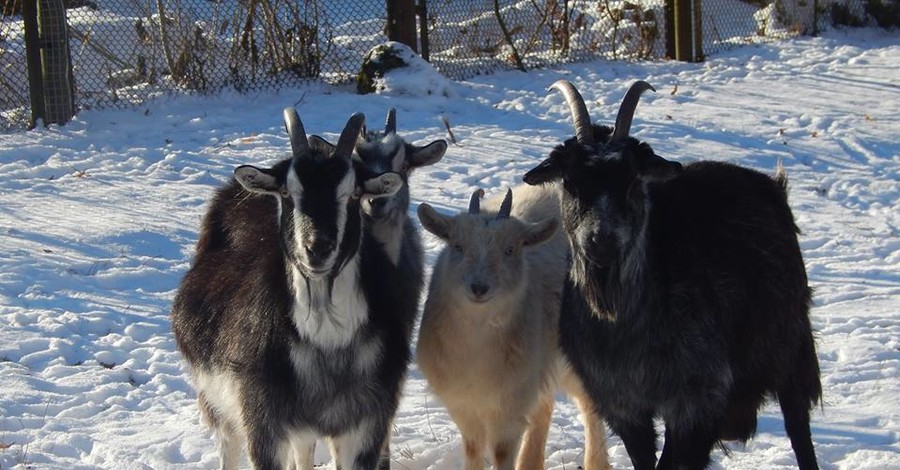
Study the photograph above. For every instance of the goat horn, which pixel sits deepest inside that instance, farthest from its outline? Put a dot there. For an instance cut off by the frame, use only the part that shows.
(505, 206)
(349, 135)
(475, 201)
(390, 125)
(584, 132)
(626, 109)
(299, 144)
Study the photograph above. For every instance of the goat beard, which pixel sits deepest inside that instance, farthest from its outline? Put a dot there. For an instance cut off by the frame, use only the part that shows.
(595, 283)
(319, 293)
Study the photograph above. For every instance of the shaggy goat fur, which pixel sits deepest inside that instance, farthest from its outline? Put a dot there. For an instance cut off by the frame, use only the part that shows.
(687, 298)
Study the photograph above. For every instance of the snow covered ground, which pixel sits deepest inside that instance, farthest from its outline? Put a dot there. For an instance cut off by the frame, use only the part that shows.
(98, 220)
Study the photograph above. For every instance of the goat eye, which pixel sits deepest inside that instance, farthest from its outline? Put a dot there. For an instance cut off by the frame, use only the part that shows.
(285, 193)
(404, 167)
(509, 251)
(457, 248)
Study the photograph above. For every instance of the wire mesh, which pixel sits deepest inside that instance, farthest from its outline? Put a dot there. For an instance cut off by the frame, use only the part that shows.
(55, 70)
(466, 37)
(124, 52)
(728, 24)
(477, 36)
(15, 103)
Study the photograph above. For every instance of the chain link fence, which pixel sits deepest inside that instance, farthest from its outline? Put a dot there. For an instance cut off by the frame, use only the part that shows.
(14, 99)
(124, 52)
(479, 36)
(471, 37)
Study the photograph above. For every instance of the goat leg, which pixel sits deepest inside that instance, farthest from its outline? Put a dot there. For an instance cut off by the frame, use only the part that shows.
(639, 439)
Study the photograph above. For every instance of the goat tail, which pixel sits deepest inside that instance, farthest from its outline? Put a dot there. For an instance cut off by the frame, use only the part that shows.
(781, 178)
(808, 373)
(797, 397)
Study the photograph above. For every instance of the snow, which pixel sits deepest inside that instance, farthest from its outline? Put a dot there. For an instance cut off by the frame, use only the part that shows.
(417, 77)
(98, 220)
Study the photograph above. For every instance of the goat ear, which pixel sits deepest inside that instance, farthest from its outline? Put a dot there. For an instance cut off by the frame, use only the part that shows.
(653, 168)
(437, 224)
(256, 180)
(540, 232)
(428, 155)
(547, 171)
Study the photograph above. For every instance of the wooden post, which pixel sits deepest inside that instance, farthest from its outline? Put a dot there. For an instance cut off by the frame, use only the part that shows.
(423, 28)
(33, 59)
(56, 68)
(684, 30)
(401, 22)
(697, 37)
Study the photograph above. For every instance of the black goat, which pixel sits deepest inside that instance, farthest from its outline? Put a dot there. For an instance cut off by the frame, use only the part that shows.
(286, 316)
(687, 297)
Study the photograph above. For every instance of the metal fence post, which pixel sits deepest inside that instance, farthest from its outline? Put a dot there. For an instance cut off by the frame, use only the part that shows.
(401, 22)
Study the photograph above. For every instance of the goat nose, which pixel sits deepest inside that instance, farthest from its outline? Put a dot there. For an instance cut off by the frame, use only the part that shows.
(319, 249)
(378, 202)
(478, 288)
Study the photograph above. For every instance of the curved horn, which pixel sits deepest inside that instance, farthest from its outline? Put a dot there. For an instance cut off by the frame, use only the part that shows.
(583, 131)
(390, 125)
(349, 135)
(505, 206)
(626, 109)
(299, 144)
(475, 201)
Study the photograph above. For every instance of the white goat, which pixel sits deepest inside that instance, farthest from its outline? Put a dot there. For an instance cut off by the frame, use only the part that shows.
(488, 343)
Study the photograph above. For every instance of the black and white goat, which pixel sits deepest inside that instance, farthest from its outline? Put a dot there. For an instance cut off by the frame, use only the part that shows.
(387, 218)
(286, 316)
(687, 298)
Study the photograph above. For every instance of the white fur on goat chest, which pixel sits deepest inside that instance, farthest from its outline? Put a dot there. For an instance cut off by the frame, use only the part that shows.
(327, 317)
(329, 322)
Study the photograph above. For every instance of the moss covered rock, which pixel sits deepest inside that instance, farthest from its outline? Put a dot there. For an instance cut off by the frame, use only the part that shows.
(394, 68)
(377, 62)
